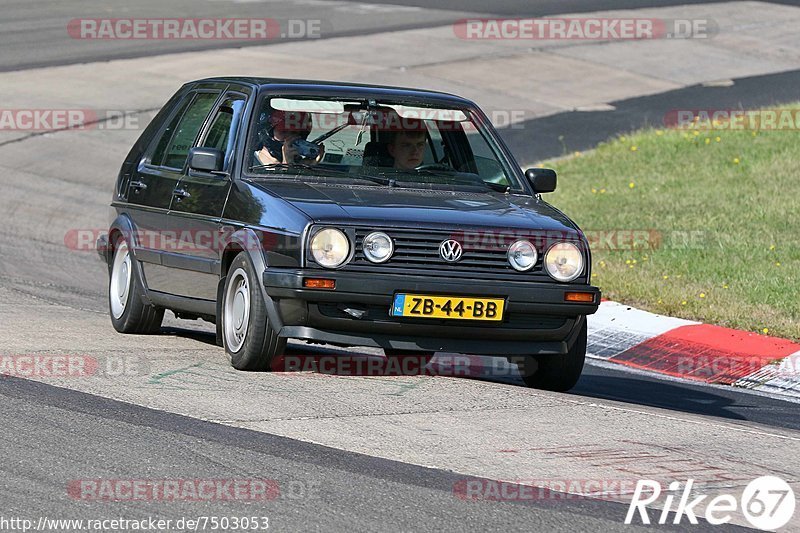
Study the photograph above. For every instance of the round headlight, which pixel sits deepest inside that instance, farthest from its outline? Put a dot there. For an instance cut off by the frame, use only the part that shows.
(563, 261)
(330, 247)
(522, 255)
(378, 247)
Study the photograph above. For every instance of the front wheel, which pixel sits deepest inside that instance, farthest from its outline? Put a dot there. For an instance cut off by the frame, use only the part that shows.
(247, 334)
(557, 373)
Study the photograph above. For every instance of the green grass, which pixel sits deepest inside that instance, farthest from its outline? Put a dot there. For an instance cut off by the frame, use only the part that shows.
(726, 205)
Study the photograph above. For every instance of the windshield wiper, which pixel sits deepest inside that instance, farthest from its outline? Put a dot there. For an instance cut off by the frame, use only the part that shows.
(448, 173)
(499, 187)
(325, 172)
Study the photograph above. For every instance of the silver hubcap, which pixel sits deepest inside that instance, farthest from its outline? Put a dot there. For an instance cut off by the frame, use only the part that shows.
(237, 310)
(120, 285)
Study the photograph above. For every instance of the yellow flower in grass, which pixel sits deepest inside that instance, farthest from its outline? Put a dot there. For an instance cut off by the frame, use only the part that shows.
(702, 295)
(634, 148)
(736, 161)
(718, 139)
(683, 302)
(666, 277)
(708, 141)
(765, 331)
(631, 185)
(771, 246)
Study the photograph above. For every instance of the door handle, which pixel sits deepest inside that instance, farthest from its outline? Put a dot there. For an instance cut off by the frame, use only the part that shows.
(138, 186)
(180, 194)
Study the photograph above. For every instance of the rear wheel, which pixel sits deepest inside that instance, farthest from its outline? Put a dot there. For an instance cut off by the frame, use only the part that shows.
(247, 334)
(129, 313)
(556, 372)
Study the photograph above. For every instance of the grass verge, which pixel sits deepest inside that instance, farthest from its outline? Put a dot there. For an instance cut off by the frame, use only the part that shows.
(716, 216)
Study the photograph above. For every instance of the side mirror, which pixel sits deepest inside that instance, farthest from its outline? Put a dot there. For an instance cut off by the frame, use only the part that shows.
(206, 159)
(542, 179)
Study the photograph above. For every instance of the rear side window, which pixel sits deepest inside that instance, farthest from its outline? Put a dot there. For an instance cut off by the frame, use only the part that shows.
(173, 147)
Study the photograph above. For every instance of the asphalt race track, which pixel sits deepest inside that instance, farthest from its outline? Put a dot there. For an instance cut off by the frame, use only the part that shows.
(349, 453)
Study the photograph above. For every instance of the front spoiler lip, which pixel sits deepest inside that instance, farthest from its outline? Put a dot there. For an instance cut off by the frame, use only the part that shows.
(102, 247)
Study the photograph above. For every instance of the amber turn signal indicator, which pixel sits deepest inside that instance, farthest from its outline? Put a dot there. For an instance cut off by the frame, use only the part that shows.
(319, 283)
(582, 297)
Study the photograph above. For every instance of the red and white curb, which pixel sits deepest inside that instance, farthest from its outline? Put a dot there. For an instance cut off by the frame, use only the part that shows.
(681, 348)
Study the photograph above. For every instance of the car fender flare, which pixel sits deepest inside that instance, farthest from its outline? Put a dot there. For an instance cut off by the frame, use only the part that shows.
(243, 239)
(123, 225)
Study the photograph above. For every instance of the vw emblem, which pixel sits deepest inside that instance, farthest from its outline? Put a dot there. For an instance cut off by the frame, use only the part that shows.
(450, 250)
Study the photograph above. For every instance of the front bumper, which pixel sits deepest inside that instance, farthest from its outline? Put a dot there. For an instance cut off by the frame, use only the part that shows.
(538, 320)
(102, 247)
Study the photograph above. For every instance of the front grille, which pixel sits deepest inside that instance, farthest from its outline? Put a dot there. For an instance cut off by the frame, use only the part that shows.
(419, 250)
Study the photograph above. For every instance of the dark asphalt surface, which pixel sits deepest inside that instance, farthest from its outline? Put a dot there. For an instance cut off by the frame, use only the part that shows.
(564, 133)
(34, 34)
(726, 403)
(321, 489)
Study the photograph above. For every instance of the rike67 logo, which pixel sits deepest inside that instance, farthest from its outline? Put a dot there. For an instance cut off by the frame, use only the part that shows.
(767, 503)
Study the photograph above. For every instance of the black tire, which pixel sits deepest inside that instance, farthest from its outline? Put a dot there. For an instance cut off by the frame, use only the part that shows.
(128, 311)
(557, 373)
(253, 345)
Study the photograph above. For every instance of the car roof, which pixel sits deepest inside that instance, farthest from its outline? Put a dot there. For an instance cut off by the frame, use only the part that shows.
(344, 88)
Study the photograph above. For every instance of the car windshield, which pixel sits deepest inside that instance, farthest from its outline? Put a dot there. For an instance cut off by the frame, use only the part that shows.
(383, 142)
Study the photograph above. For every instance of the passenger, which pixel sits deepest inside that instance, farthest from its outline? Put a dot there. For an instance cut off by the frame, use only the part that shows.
(278, 135)
(407, 146)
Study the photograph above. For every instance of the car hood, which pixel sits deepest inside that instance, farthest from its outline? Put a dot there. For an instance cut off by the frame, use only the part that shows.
(399, 206)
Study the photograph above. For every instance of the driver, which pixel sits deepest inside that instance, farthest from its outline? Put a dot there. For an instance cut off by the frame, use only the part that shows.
(407, 145)
(277, 138)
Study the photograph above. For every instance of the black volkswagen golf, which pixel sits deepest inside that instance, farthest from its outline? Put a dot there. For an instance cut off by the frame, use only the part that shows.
(350, 215)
